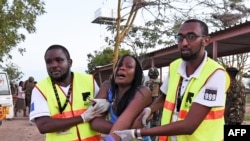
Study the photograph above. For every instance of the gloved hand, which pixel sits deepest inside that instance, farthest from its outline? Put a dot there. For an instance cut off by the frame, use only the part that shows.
(147, 112)
(126, 135)
(100, 105)
(109, 138)
(89, 114)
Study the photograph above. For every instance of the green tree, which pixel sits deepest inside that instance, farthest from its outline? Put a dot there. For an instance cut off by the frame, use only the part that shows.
(232, 12)
(103, 57)
(121, 31)
(16, 18)
(163, 19)
(13, 72)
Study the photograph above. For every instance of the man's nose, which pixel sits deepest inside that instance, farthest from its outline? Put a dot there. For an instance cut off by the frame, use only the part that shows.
(53, 64)
(184, 42)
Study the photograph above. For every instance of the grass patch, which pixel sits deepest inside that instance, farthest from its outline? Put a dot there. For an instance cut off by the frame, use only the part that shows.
(247, 117)
(248, 99)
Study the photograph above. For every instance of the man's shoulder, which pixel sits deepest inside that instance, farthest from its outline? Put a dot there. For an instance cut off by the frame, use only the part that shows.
(150, 80)
(157, 80)
(153, 81)
(82, 74)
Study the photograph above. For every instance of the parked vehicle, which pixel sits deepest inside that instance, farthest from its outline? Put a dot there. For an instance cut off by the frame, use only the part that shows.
(6, 99)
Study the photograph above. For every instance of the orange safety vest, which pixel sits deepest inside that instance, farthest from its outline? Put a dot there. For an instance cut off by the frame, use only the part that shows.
(211, 128)
(81, 132)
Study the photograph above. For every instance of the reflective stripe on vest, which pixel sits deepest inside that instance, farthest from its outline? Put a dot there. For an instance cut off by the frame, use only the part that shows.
(82, 83)
(215, 117)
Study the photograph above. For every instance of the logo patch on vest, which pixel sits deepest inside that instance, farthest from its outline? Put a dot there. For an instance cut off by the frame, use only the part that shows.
(189, 100)
(210, 94)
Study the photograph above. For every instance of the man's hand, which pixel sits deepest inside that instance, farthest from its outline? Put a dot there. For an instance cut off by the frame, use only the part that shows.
(146, 114)
(126, 135)
(100, 105)
(89, 114)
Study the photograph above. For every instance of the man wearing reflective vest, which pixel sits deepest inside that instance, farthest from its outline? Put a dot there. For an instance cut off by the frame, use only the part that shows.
(194, 93)
(60, 105)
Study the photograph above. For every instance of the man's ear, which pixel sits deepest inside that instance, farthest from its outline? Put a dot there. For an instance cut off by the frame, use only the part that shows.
(70, 61)
(206, 41)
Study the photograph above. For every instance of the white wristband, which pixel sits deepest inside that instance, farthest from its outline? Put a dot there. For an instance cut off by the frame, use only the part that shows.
(138, 134)
(133, 133)
(148, 108)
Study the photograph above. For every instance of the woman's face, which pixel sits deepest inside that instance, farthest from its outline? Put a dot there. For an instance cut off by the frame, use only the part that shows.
(125, 71)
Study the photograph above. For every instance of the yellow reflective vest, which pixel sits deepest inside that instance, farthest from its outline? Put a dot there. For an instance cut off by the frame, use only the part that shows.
(82, 83)
(211, 128)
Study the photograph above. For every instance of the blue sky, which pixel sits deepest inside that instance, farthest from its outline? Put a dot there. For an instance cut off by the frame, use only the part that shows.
(67, 22)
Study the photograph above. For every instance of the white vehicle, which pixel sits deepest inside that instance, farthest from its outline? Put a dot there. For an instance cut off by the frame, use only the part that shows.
(6, 99)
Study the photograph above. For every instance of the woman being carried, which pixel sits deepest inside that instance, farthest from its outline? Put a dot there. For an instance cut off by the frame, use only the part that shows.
(128, 98)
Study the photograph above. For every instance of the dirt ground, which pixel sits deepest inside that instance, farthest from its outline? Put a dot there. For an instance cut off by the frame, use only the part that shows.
(19, 129)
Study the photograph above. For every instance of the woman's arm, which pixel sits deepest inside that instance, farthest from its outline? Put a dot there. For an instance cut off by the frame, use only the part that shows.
(125, 121)
(101, 125)
(96, 122)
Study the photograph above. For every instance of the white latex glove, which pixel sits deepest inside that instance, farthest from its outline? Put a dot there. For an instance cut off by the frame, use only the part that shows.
(147, 112)
(126, 135)
(89, 114)
(100, 105)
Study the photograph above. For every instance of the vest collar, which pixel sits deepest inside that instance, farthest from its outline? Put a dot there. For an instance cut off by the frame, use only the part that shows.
(182, 69)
